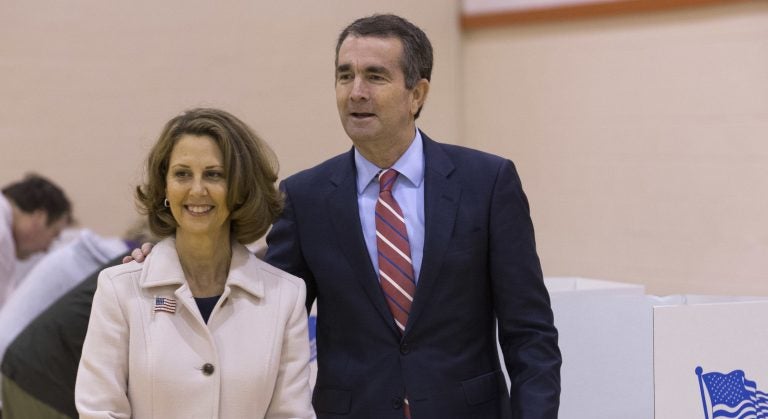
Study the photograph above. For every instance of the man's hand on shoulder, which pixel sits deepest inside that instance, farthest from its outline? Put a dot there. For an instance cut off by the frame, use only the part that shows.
(139, 254)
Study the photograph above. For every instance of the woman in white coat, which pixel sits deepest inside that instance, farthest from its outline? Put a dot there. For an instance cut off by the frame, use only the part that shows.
(201, 329)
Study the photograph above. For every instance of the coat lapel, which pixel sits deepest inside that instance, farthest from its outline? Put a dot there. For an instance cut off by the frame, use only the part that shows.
(164, 269)
(441, 201)
(345, 218)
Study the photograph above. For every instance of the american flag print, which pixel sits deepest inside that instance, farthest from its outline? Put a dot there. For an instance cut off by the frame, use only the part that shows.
(731, 396)
(166, 304)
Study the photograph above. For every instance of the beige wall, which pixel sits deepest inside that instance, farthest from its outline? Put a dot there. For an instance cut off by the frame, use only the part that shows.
(86, 85)
(641, 142)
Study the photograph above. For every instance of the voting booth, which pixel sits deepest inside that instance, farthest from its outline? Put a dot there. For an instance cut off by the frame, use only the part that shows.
(631, 355)
(711, 358)
(605, 333)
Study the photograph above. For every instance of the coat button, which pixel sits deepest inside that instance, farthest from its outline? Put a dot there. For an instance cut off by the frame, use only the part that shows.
(208, 369)
(404, 348)
(397, 403)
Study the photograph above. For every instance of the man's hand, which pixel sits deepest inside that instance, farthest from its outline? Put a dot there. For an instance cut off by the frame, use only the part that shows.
(139, 254)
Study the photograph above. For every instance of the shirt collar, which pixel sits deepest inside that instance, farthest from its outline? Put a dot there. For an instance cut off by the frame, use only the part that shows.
(410, 165)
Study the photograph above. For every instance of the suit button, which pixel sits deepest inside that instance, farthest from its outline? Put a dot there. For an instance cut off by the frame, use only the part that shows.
(404, 348)
(208, 369)
(397, 403)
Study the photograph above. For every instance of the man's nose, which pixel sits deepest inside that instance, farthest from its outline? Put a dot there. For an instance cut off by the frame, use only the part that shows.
(359, 89)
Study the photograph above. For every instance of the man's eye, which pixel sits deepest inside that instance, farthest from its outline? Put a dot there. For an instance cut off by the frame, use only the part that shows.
(344, 77)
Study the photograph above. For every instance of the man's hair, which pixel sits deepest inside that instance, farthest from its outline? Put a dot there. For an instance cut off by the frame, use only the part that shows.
(249, 164)
(35, 192)
(416, 61)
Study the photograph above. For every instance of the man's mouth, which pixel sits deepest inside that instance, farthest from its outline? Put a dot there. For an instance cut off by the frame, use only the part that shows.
(362, 115)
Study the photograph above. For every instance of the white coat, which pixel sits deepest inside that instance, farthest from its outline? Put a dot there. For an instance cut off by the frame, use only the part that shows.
(249, 361)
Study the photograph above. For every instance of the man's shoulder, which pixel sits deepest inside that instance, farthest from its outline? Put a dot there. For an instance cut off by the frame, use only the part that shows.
(329, 169)
(462, 156)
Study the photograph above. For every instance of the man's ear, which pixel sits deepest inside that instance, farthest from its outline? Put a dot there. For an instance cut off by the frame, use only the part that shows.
(419, 95)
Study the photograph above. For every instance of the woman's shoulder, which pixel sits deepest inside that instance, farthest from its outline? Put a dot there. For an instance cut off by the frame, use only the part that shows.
(162, 252)
(277, 274)
(122, 270)
(124, 274)
(258, 270)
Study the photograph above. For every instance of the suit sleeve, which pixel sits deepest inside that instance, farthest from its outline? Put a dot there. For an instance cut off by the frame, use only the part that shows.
(527, 334)
(101, 389)
(292, 396)
(284, 247)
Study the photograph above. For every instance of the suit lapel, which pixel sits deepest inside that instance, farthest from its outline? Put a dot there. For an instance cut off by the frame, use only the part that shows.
(441, 201)
(345, 218)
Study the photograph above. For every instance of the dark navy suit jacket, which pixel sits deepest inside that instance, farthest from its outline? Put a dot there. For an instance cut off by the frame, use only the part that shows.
(479, 265)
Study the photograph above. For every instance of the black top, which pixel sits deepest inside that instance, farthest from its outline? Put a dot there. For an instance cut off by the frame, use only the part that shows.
(43, 358)
(206, 305)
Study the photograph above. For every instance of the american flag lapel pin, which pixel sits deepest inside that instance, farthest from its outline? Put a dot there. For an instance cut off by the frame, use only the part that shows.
(166, 304)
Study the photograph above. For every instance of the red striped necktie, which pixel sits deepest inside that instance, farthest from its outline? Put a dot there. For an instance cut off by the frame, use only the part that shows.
(395, 267)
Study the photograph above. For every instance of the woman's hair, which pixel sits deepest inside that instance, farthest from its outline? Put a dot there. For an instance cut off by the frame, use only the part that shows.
(249, 164)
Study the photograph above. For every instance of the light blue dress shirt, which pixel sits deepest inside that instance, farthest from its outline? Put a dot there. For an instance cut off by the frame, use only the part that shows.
(408, 192)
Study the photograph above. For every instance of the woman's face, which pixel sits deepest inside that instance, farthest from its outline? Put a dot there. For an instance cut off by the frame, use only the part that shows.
(197, 186)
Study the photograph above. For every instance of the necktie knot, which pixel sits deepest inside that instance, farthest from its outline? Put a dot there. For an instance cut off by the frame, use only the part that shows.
(387, 180)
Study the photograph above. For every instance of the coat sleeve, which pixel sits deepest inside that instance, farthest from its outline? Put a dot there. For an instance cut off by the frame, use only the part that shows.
(527, 334)
(292, 395)
(101, 389)
(284, 247)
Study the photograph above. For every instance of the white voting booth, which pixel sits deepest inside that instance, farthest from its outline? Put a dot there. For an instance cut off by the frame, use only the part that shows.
(723, 340)
(631, 355)
(605, 329)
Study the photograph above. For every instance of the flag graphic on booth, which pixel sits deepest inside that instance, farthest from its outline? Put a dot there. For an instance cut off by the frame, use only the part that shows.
(731, 396)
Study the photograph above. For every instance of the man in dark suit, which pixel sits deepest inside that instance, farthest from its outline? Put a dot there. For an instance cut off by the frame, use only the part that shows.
(414, 267)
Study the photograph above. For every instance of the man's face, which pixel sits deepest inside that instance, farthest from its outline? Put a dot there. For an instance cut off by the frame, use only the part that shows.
(33, 234)
(373, 102)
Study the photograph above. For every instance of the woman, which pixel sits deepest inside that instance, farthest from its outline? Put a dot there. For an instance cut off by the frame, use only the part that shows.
(202, 328)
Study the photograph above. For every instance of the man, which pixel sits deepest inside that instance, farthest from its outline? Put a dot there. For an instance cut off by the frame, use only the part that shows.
(33, 212)
(410, 276)
(54, 275)
(40, 365)
(412, 273)
(42, 342)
